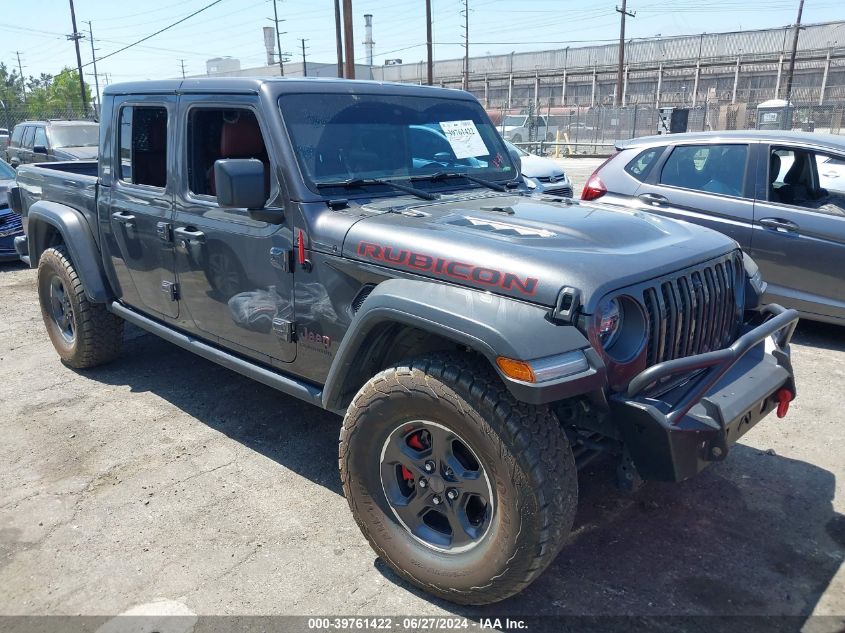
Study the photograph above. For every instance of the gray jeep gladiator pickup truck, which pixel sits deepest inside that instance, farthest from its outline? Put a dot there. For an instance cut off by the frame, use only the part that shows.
(371, 249)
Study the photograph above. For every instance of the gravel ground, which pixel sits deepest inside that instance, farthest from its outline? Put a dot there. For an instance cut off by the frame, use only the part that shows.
(165, 479)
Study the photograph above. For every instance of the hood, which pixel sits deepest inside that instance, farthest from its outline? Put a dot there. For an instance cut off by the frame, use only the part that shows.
(539, 167)
(75, 153)
(530, 248)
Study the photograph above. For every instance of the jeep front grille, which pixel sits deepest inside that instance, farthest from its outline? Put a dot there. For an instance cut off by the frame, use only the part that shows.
(694, 311)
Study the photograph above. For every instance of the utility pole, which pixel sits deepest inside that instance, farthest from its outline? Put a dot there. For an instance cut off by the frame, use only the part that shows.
(465, 82)
(338, 38)
(794, 51)
(617, 98)
(349, 40)
(428, 44)
(94, 61)
(75, 36)
(23, 83)
(182, 63)
(304, 63)
(278, 39)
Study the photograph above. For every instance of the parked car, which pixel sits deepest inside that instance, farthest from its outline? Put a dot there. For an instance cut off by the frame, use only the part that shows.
(517, 128)
(10, 222)
(479, 341)
(779, 194)
(542, 174)
(42, 141)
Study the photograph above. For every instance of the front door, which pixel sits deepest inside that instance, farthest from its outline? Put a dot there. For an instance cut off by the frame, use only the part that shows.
(139, 205)
(234, 272)
(799, 231)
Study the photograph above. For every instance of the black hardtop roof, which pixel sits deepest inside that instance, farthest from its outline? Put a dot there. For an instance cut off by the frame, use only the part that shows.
(281, 85)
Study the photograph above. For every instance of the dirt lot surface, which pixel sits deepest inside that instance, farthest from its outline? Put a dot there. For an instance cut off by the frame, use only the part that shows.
(163, 478)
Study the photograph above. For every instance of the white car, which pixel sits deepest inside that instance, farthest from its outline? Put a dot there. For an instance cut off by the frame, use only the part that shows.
(542, 174)
(831, 173)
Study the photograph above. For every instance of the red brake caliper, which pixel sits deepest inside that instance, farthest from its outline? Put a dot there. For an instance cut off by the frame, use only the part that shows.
(407, 475)
(414, 442)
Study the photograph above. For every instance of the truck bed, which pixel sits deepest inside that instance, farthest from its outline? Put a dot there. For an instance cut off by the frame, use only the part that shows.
(71, 183)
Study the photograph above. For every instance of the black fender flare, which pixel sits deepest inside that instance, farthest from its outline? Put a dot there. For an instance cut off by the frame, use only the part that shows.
(489, 324)
(77, 237)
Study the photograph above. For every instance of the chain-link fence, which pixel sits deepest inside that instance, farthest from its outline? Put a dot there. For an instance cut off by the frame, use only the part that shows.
(594, 130)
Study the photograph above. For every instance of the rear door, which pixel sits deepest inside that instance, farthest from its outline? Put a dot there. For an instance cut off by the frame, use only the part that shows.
(707, 184)
(139, 204)
(799, 230)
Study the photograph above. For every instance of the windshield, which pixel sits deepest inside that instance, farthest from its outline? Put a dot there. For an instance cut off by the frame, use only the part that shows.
(74, 135)
(514, 121)
(343, 137)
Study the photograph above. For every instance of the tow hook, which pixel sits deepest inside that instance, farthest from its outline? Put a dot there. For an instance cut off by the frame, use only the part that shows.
(784, 397)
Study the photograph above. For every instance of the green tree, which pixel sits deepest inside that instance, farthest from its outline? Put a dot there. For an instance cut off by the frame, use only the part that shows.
(56, 96)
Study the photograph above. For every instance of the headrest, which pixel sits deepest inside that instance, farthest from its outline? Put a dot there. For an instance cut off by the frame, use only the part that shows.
(241, 138)
(774, 167)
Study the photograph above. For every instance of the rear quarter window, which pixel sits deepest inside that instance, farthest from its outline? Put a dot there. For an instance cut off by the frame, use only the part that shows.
(640, 166)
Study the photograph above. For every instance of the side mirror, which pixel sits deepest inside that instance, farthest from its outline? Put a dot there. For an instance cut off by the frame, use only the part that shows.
(240, 184)
(39, 149)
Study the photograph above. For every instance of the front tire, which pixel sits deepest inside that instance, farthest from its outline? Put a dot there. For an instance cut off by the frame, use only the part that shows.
(85, 334)
(445, 426)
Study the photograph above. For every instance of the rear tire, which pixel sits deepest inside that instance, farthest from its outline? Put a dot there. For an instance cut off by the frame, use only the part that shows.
(85, 334)
(520, 448)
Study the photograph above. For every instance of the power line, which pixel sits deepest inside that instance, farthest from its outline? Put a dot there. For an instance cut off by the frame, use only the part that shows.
(144, 39)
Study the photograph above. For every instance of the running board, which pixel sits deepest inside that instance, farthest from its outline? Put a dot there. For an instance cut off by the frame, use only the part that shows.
(290, 386)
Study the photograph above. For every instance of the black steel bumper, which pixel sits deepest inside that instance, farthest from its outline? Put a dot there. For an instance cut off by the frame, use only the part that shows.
(673, 434)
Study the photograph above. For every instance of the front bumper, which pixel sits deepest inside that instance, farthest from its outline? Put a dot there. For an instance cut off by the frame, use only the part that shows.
(673, 434)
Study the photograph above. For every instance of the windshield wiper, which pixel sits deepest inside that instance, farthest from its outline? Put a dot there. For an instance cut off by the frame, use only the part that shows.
(442, 175)
(363, 182)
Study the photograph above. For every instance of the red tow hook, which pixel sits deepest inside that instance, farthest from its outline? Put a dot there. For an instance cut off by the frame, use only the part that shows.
(784, 397)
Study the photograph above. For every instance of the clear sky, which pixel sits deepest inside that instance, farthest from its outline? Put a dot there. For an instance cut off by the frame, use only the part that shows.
(37, 28)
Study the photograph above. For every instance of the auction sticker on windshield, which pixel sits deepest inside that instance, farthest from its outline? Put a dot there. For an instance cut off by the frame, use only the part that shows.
(464, 138)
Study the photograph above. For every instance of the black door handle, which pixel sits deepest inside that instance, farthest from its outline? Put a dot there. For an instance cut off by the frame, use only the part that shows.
(189, 234)
(779, 224)
(653, 198)
(127, 219)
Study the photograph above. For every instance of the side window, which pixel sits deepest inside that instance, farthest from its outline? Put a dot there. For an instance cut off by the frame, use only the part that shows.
(642, 163)
(17, 135)
(806, 179)
(541, 122)
(215, 133)
(142, 142)
(40, 137)
(28, 135)
(710, 168)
